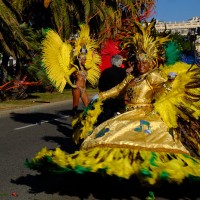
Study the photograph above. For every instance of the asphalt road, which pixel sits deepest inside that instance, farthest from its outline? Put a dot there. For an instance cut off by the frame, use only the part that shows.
(25, 131)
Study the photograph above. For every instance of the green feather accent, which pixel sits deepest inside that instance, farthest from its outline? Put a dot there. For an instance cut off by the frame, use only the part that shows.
(164, 175)
(153, 159)
(172, 53)
(91, 106)
(81, 170)
(151, 196)
(145, 172)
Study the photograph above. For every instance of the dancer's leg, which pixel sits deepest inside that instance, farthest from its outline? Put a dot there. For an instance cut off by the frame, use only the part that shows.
(76, 94)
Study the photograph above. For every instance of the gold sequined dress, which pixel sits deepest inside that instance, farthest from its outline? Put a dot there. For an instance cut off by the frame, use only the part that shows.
(140, 127)
(136, 143)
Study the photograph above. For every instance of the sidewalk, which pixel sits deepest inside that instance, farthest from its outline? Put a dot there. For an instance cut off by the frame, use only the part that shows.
(30, 108)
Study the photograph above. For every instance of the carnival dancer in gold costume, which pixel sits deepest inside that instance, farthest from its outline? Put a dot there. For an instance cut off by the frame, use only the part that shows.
(146, 141)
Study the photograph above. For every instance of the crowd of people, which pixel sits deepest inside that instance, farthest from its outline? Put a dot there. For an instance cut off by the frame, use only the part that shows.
(143, 123)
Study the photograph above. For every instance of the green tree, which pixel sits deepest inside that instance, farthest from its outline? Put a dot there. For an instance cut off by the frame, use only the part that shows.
(17, 38)
(64, 16)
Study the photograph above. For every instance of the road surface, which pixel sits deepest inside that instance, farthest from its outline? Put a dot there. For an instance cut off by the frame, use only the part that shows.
(24, 132)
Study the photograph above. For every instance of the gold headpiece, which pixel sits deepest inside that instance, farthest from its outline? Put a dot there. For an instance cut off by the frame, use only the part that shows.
(143, 56)
(147, 44)
(86, 47)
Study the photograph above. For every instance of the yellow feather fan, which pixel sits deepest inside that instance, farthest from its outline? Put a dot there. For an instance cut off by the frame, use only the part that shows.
(181, 95)
(56, 56)
(93, 60)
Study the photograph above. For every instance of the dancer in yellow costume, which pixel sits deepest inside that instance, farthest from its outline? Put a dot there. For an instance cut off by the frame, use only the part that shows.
(77, 58)
(153, 139)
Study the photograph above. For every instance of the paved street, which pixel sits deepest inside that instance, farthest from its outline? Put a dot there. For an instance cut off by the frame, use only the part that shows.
(24, 132)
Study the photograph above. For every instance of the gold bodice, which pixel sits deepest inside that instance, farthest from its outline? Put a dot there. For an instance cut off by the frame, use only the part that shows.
(139, 91)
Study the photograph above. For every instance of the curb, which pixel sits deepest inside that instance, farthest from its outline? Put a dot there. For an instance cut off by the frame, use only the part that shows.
(31, 108)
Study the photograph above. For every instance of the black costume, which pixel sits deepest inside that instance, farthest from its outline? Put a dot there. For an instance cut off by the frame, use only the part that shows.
(109, 78)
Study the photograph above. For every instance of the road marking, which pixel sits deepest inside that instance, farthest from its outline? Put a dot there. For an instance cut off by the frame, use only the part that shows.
(41, 122)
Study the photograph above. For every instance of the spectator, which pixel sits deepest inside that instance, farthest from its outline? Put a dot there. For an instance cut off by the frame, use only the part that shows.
(109, 78)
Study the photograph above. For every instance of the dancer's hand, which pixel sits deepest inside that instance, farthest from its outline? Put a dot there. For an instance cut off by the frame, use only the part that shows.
(96, 96)
(74, 86)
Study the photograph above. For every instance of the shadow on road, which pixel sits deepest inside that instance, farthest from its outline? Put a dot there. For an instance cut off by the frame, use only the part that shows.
(84, 186)
(63, 126)
(38, 117)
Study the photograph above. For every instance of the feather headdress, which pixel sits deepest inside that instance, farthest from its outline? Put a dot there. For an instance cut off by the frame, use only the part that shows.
(146, 44)
(109, 49)
(85, 45)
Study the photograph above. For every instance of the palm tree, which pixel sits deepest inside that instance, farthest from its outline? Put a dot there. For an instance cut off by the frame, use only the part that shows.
(16, 40)
(103, 16)
(60, 15)
(111, 16)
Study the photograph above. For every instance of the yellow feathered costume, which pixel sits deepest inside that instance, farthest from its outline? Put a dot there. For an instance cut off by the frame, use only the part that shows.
(58, 57)
(155, 140)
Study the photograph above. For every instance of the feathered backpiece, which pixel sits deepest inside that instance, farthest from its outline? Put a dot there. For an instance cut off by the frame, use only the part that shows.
(109, 49)
(59, 57)
(172, 52)
(179, 104)
(190, 57)
(182, 94)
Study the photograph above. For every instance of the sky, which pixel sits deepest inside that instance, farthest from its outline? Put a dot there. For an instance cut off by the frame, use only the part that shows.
(176, 10)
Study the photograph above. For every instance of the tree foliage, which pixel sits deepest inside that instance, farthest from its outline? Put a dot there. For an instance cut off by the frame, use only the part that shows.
(22, 20)
(103, 16)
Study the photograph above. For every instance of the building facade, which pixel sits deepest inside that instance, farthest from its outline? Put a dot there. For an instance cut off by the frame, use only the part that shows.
(190, 27)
